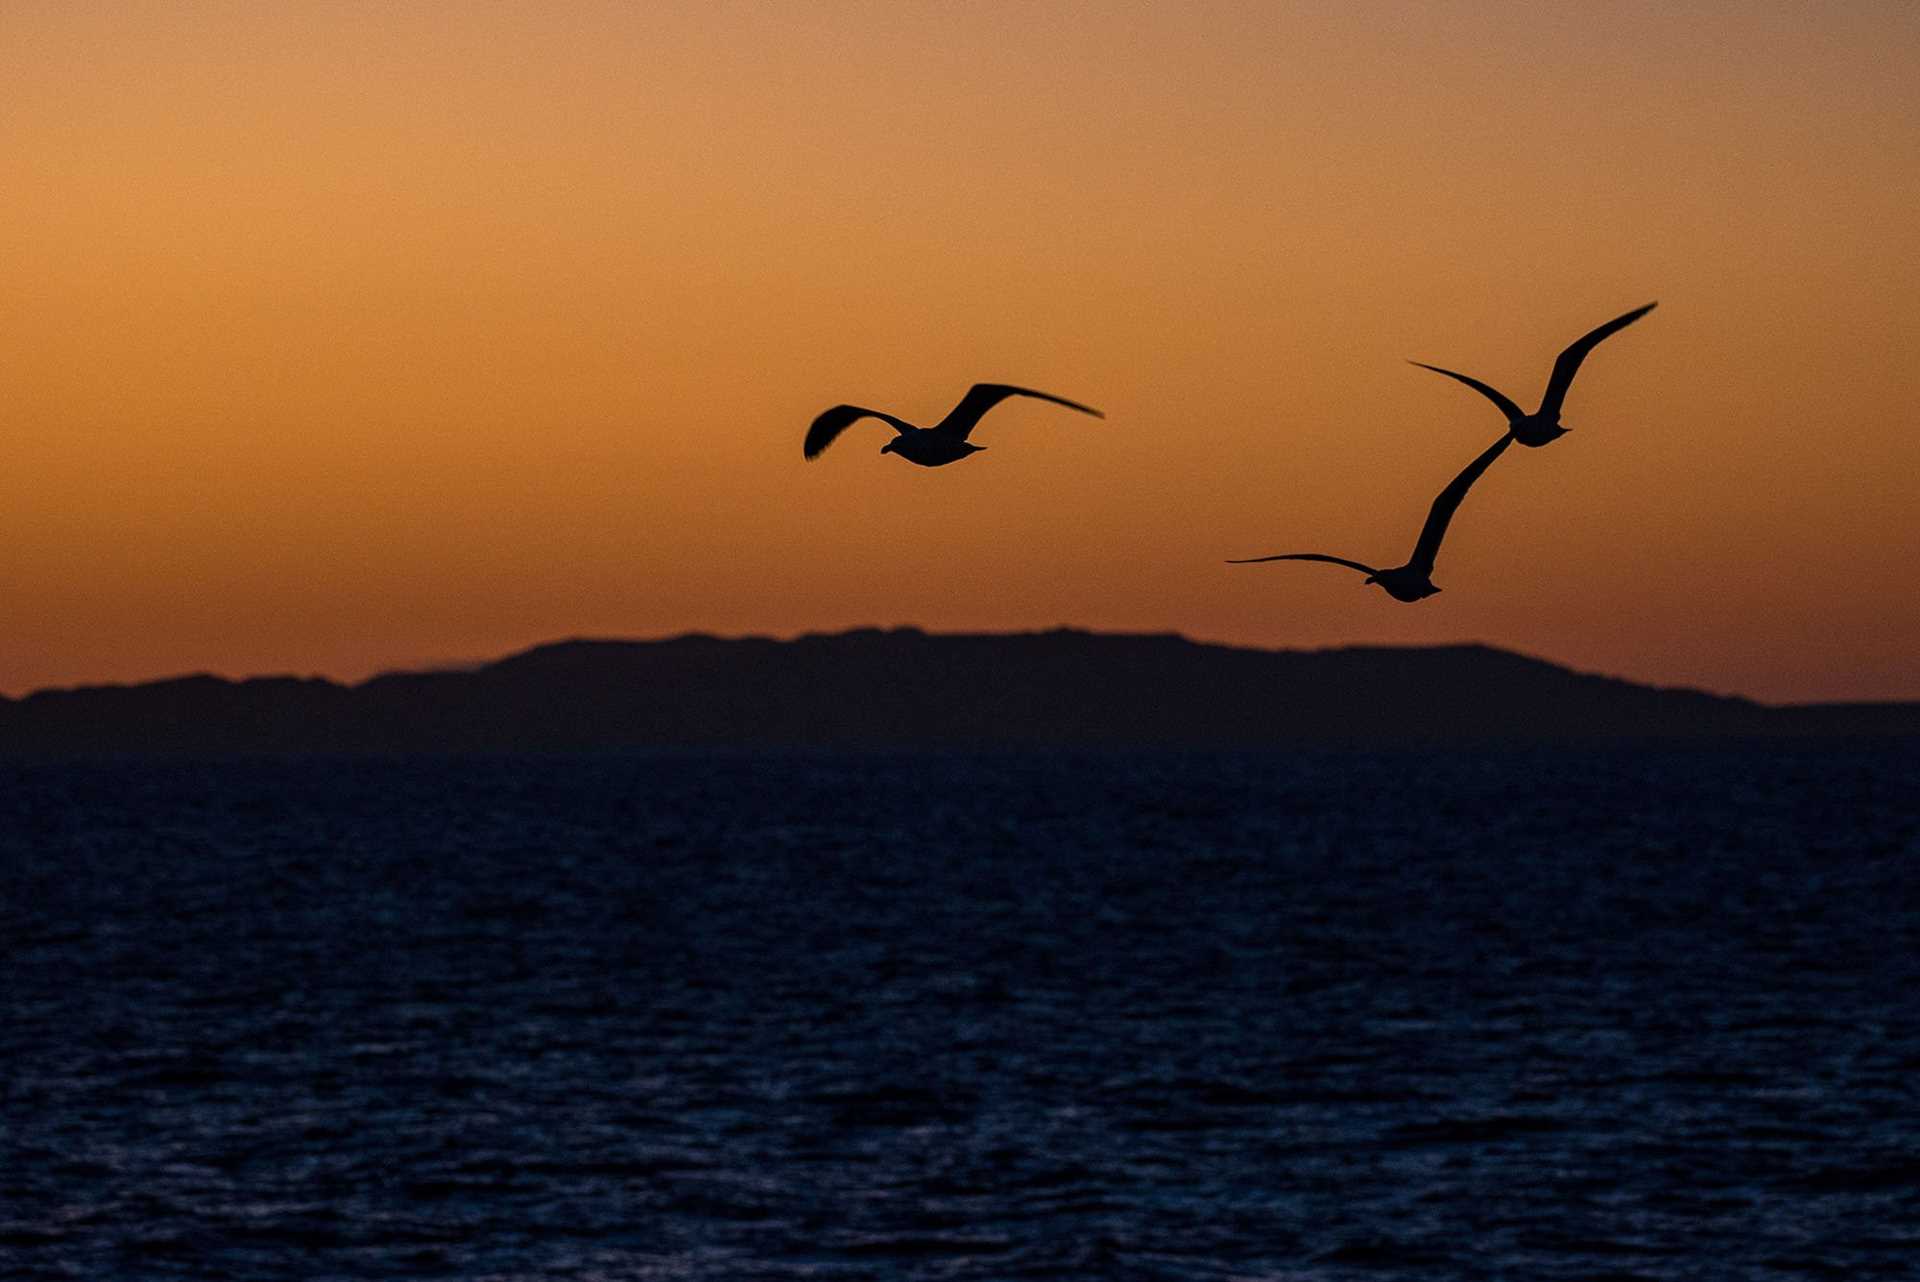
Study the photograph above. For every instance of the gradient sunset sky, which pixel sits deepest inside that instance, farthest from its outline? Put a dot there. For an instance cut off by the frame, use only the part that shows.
(339, 337)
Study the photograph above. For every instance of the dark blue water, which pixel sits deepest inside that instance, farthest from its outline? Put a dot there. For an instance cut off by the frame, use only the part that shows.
(1512, 1015)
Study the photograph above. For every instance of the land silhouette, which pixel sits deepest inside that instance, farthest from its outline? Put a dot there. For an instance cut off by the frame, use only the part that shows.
(1414, 580)
(945, 442)
(907, 688)
(1543, 425)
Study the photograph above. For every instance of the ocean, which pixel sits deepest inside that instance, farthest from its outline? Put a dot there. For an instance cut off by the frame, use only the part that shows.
(1552, 1013)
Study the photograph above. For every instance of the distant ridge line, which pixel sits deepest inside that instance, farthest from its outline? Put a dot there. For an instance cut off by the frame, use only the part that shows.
(904, 687)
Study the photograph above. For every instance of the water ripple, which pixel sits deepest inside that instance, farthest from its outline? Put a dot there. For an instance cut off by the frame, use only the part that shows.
(1648, 1015)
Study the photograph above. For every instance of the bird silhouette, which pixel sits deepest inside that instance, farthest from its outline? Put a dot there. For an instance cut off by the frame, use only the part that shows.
(945, 442)
(1414, 580)
(1543, 425)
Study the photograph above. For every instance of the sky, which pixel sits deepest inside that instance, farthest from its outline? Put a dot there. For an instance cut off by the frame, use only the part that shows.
(343, 337)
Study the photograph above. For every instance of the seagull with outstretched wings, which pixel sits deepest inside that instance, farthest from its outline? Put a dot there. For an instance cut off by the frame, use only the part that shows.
(1414, 580)
(945, 442)
(1543, 424)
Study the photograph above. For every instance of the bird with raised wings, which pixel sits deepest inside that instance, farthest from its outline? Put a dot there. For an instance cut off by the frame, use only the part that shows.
(945, 442)
(1544, 424)
(1414, 580)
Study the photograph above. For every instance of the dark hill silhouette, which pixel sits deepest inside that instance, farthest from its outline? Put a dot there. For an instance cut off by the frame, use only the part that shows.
(908, 688)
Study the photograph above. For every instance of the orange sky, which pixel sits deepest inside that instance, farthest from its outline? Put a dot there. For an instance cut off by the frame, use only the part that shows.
(336, 337)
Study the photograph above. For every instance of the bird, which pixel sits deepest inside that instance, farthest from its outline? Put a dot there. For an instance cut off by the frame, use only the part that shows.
(946, 441)
(1414, 580)
(1543, 425)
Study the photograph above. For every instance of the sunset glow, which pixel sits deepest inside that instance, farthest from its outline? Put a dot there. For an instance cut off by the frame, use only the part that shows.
(342, 337)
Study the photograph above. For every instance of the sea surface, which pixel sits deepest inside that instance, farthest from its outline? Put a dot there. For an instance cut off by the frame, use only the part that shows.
(1588, 1014)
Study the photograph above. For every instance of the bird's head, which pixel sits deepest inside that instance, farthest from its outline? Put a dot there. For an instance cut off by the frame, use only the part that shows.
(888, 447)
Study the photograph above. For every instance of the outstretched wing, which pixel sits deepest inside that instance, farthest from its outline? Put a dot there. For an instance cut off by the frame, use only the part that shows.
(1507, 407)
(835, 421)
(1307, 556)
(1569, 363)
(1448, 500)
(982, 397)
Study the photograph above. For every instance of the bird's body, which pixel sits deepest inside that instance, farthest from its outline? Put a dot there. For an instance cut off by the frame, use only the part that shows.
(945, 442)
(929, 448)
(1543, 425)
(1414, 580)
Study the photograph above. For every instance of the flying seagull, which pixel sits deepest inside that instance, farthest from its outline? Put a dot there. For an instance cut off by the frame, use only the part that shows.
(944, 442)
(1414, 580)
(1543, 424)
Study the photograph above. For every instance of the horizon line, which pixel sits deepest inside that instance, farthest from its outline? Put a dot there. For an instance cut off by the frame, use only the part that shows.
(451, 668)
